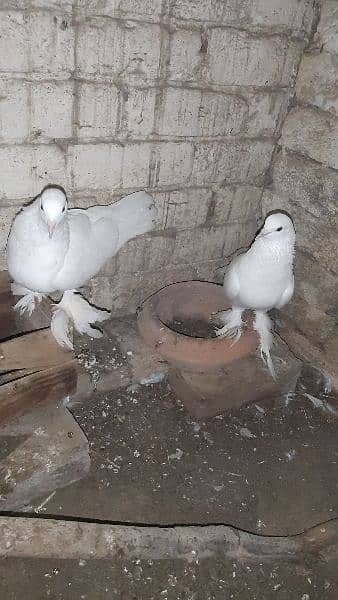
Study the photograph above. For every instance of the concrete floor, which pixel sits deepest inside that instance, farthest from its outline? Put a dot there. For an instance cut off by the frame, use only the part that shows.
(269, 468)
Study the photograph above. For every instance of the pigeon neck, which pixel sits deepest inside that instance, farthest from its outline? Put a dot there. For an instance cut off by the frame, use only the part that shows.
(277, 251)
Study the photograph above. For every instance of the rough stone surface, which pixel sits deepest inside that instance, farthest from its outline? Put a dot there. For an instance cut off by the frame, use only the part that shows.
(184, 99)
(52, 451)
(304, 182)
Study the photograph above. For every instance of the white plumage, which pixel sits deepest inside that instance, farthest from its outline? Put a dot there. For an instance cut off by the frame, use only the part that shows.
(261, 279)
(52, 248)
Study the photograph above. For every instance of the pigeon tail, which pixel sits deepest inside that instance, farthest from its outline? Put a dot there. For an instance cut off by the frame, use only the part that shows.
(232, 321)
(74, 308)
(134, 215)
(263, 325)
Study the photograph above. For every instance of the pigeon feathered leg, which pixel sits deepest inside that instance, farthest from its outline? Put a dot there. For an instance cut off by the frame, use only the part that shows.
(28, 301)
(232, 323)
(263, 325)
(74, 308)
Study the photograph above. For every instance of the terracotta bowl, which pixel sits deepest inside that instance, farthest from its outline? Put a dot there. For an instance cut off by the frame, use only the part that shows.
(186, 301)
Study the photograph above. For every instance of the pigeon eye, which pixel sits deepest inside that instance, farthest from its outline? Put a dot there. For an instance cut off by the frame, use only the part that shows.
(279, 228)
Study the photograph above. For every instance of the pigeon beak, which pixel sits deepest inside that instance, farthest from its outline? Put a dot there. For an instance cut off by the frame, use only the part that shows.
(51, 227)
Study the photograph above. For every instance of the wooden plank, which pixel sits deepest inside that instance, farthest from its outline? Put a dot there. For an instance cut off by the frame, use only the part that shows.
(50, 385)
(11, 322)
(35, 350)
(42, 463)
(4, 282)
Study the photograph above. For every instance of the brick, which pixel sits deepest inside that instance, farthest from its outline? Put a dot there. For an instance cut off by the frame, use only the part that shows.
(314, 303)
(52, 110)
(237, 58)
(314, 235)
(64, 5)
(97, 110)
(138, 112)
(14, 42)
(111, 8)
(236, 203)
(14, 114)
(190, 112)
(99, 47)
(312, 133)
(171, 161)
(124, 295)
(95, 166)
(142, 50)
(135, 168)
(51, 43)
(194, 245)
(182, 209)
(326, 35)
(145, 253)
(231, 161)
(141, 7)
(238, 236)
(317, 81)
(25, 170)
(106, 49)
(252, 13)
(310, 186)
(185, 56)
(266, 113)
(36, 42)
(295, 15)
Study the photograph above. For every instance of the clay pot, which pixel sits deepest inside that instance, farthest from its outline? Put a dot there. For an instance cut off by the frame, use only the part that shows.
(190, 300)
(210, 375)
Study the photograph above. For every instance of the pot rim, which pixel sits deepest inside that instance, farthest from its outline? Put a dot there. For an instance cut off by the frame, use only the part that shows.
(186, 351)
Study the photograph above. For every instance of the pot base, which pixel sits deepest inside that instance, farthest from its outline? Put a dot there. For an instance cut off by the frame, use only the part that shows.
(209, 374)
(241, 382)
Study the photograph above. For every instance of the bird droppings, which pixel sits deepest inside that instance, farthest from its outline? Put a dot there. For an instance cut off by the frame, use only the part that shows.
(291, 454)
(322, 404)
(154, 378)
(246, 433)
(151, 462)
(176, 455)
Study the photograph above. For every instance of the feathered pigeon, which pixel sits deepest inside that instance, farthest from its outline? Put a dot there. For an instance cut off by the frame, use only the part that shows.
(52, 248)
(261, 279)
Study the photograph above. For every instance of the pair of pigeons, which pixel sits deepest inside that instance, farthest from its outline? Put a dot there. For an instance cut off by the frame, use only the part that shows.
(53, 248)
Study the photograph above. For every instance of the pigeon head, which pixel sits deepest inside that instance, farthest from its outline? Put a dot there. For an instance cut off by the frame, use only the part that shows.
(278, 227)
(53, 207)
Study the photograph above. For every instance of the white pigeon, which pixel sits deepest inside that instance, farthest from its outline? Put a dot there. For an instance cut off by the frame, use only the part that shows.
(261, 279)
(52, 248)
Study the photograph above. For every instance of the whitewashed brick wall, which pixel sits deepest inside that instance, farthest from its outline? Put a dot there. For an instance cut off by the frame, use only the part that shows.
(184, 98)
(305, 182)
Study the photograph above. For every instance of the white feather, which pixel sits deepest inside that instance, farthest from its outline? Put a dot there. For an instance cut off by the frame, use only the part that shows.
(261, 279)
(53, 249)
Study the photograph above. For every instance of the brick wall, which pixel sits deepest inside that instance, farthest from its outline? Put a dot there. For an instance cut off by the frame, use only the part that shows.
(183, 98)
(305, 182)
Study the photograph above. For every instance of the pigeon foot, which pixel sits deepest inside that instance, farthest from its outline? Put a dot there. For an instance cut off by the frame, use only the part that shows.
(263, 325)
(74, 311)
(232, 324)
(29, 299)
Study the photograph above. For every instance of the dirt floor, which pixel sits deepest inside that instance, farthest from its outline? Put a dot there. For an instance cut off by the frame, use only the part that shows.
(269, 468)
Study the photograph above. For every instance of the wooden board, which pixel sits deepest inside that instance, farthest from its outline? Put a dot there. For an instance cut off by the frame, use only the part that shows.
(11, 323)
(49, 385)
(34, 351)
